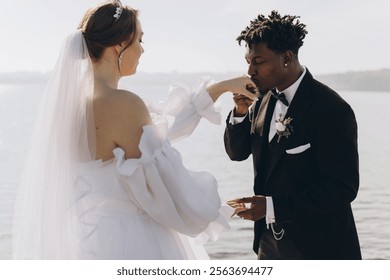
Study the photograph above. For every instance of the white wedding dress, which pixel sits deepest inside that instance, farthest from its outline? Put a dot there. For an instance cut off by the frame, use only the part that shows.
(71, 206)
(153, 207)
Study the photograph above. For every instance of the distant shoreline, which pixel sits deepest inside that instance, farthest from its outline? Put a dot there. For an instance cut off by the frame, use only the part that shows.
(377, 80)
(373, 80)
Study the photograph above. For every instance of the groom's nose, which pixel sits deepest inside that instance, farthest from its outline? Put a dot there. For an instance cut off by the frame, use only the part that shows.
(251, 70)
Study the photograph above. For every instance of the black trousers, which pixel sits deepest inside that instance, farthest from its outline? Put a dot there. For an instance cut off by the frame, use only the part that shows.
(272, 249)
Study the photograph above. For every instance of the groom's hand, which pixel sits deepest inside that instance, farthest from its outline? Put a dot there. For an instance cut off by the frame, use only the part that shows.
(242, 104)
(257, 209)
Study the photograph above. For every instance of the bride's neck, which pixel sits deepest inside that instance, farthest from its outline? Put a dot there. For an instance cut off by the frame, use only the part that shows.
(106, 73)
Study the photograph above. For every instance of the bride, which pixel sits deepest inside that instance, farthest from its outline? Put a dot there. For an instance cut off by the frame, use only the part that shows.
(102, 180)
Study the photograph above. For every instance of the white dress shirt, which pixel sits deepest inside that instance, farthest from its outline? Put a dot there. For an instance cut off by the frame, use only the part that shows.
(280, 108)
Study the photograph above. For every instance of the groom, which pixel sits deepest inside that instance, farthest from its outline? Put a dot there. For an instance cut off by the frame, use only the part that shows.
(303, 140)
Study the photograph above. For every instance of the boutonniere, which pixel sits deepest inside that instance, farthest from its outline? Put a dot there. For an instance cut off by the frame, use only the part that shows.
(283, 127)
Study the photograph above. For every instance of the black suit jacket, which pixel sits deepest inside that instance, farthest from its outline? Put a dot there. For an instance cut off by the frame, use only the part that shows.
(311, 190)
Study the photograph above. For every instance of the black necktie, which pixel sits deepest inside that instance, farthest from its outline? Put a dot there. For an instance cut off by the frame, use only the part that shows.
(279, 96)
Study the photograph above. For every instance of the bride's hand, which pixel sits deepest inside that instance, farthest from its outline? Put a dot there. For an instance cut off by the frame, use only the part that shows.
(238, 207)
(240, 85)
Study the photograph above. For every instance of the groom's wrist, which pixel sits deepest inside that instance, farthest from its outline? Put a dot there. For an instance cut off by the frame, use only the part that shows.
(269, 212)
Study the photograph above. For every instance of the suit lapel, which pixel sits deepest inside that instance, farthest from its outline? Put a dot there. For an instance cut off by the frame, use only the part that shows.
(262, 140)
(268, 117)
(297, 110)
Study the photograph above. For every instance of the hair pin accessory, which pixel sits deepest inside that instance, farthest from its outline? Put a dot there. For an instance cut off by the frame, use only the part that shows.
(118, 11)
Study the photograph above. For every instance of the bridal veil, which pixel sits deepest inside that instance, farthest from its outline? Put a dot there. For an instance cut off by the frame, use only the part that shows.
(61, 147)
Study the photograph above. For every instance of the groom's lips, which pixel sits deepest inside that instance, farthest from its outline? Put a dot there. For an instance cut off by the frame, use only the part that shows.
(257, 83)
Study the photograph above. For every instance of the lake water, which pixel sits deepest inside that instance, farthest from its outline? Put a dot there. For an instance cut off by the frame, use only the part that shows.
(205, 151)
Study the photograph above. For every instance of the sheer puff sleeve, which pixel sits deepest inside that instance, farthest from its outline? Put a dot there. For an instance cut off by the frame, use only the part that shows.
(186, 107)
(159, 184)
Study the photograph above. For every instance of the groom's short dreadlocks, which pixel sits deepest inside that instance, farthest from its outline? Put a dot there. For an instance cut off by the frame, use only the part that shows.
(279, 33)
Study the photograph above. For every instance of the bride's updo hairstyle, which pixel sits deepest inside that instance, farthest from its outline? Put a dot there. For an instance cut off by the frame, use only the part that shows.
(101, 29)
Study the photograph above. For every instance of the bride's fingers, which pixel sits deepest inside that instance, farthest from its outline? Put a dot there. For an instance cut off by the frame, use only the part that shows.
(252, 96)
(251, 86)
(238, 207)
(250, 91)
(238, 211)
(235, 204)
(245, 95)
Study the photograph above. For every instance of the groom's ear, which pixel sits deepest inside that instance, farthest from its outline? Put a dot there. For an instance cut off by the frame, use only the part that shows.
(288, 57)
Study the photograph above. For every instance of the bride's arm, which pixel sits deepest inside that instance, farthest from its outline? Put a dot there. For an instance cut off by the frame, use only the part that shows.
(189, 107)
(238, 85)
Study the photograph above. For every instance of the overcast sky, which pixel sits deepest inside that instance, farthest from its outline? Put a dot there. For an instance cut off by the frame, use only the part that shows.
(199, 35)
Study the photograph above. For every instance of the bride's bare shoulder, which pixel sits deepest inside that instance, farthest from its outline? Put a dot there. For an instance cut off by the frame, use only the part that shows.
(128, 100)
(123, 108)
(120, 117)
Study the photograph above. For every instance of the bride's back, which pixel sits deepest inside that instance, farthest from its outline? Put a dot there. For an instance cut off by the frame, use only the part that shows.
(114, 46)
(119, 119)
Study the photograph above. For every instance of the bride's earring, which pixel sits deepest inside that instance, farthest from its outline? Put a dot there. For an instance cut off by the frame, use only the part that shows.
(120, 61)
